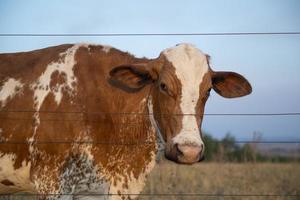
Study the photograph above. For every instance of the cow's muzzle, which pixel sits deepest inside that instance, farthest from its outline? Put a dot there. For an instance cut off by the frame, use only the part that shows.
(185, 154)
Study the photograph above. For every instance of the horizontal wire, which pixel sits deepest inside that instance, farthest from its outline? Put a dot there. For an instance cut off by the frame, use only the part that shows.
(129, 113)
(79, 120)
(141, 34)
(161, 194)
(74, 120)
(143, 142)
(78, 142)
(262, 142)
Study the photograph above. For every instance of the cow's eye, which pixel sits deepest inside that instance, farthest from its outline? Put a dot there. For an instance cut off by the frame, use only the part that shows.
(163, 87)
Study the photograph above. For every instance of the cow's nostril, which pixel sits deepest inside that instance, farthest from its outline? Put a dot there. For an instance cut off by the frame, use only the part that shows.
(179, 152)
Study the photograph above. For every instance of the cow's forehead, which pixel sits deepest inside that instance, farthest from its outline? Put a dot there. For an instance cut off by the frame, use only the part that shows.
(189, 62)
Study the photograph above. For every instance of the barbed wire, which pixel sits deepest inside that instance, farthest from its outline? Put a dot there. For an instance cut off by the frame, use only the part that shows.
(143, 34)
(131, 113)
(144, 142)
(68, 120)
(86, 116)
(128, 125)
(160, 194)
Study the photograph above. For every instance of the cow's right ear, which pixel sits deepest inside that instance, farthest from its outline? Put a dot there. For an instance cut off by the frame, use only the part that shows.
(132, 77)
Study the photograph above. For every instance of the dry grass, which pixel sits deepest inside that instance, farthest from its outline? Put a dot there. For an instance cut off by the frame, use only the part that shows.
(224, 178)
(220, 178)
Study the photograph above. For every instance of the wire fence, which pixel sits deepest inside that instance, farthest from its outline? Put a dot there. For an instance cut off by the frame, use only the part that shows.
(144, 114)
(163, 194)
(84, 117)
(142, 34)
(142, 142)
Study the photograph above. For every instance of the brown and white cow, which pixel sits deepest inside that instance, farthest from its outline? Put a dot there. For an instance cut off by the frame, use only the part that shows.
(81, 119)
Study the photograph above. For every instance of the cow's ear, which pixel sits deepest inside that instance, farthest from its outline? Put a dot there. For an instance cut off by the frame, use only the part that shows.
(132, 77)
(230, 84)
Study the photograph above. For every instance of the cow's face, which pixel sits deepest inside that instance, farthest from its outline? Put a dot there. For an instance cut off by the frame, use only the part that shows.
(181, 81)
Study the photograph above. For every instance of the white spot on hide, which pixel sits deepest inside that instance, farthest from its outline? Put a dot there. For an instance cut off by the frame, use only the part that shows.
(64, 65)
(41, 87)
(19, 177)
(9, 90)
(190, 67)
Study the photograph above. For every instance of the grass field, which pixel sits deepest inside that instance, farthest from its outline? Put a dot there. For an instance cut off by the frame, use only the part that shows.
(224, 178)
(220, 179)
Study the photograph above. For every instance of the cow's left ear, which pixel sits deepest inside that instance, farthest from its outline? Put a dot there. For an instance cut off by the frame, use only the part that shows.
(132, 77)
(230, 84)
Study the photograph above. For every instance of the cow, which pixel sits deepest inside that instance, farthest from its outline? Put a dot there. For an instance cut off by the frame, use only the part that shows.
(84, 120)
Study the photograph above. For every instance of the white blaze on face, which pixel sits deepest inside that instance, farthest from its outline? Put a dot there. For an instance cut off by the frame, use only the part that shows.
(190, 67)
(9, 90)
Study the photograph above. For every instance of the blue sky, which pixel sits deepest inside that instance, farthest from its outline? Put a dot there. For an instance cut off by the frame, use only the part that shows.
(271, 63)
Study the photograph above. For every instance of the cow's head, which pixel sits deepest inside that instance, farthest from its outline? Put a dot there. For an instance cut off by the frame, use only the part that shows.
(182, 80)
